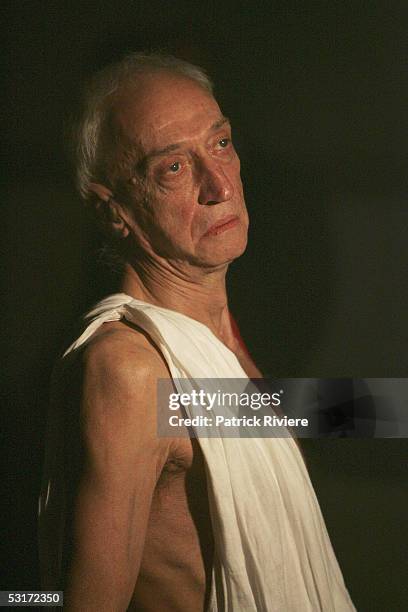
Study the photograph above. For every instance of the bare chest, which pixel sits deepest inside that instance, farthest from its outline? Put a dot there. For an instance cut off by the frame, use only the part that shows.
(178, 552)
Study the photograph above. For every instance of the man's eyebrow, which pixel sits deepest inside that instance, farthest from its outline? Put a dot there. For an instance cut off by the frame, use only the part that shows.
(176, 145)
(219, 123)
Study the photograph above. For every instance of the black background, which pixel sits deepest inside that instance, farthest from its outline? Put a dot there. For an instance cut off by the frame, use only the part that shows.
(317, 94)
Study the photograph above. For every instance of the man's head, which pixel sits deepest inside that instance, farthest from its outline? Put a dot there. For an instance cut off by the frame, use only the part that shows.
(156, 161)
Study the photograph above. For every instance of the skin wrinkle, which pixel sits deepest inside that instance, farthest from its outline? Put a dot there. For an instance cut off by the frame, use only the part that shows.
(121, 154)
(169, 273)
(177, 145)
(139, 194)
(146, 219)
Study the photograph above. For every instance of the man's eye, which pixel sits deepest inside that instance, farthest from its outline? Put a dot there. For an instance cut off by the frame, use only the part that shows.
(169, 169)
(175, 167)
(224, 142)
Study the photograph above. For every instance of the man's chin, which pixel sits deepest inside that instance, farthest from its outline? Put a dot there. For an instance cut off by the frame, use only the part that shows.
(220, 255)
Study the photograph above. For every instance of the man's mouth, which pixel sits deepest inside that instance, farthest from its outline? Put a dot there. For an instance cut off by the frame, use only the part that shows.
(222, 225)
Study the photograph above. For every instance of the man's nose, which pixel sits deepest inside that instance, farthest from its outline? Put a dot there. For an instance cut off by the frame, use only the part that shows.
(215, 186)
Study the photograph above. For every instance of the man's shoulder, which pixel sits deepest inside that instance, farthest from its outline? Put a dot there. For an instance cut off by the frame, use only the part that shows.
(115, 375)
(118, 401)
(120, 351)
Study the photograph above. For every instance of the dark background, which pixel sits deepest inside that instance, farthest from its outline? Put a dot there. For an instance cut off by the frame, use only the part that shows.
(317, 93)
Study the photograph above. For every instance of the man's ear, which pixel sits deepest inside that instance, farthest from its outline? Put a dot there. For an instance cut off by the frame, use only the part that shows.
(109, 212)
(101, 192)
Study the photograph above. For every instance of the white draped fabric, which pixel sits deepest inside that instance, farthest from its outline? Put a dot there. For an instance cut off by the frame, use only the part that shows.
(273, 553)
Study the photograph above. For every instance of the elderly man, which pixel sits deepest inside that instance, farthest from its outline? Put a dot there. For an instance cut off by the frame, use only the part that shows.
(130, 520)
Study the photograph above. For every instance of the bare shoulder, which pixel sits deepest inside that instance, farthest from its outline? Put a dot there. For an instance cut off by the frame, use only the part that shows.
(118, 349)
(120, 368)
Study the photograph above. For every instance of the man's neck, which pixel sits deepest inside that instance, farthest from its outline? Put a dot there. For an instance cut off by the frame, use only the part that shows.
(199, 294)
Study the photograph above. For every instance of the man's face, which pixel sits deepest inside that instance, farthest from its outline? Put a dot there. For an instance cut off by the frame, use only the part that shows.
(186, 202)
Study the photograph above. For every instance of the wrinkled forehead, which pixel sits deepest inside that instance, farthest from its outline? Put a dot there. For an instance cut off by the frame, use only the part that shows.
(161, 107)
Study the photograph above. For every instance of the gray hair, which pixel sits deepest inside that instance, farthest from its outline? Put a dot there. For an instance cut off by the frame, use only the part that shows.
(88, 143)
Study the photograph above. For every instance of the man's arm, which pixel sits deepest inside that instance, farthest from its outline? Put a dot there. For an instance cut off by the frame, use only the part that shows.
(122, 461)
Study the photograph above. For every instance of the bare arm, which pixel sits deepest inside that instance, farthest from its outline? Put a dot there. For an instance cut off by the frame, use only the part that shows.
(122, 461)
